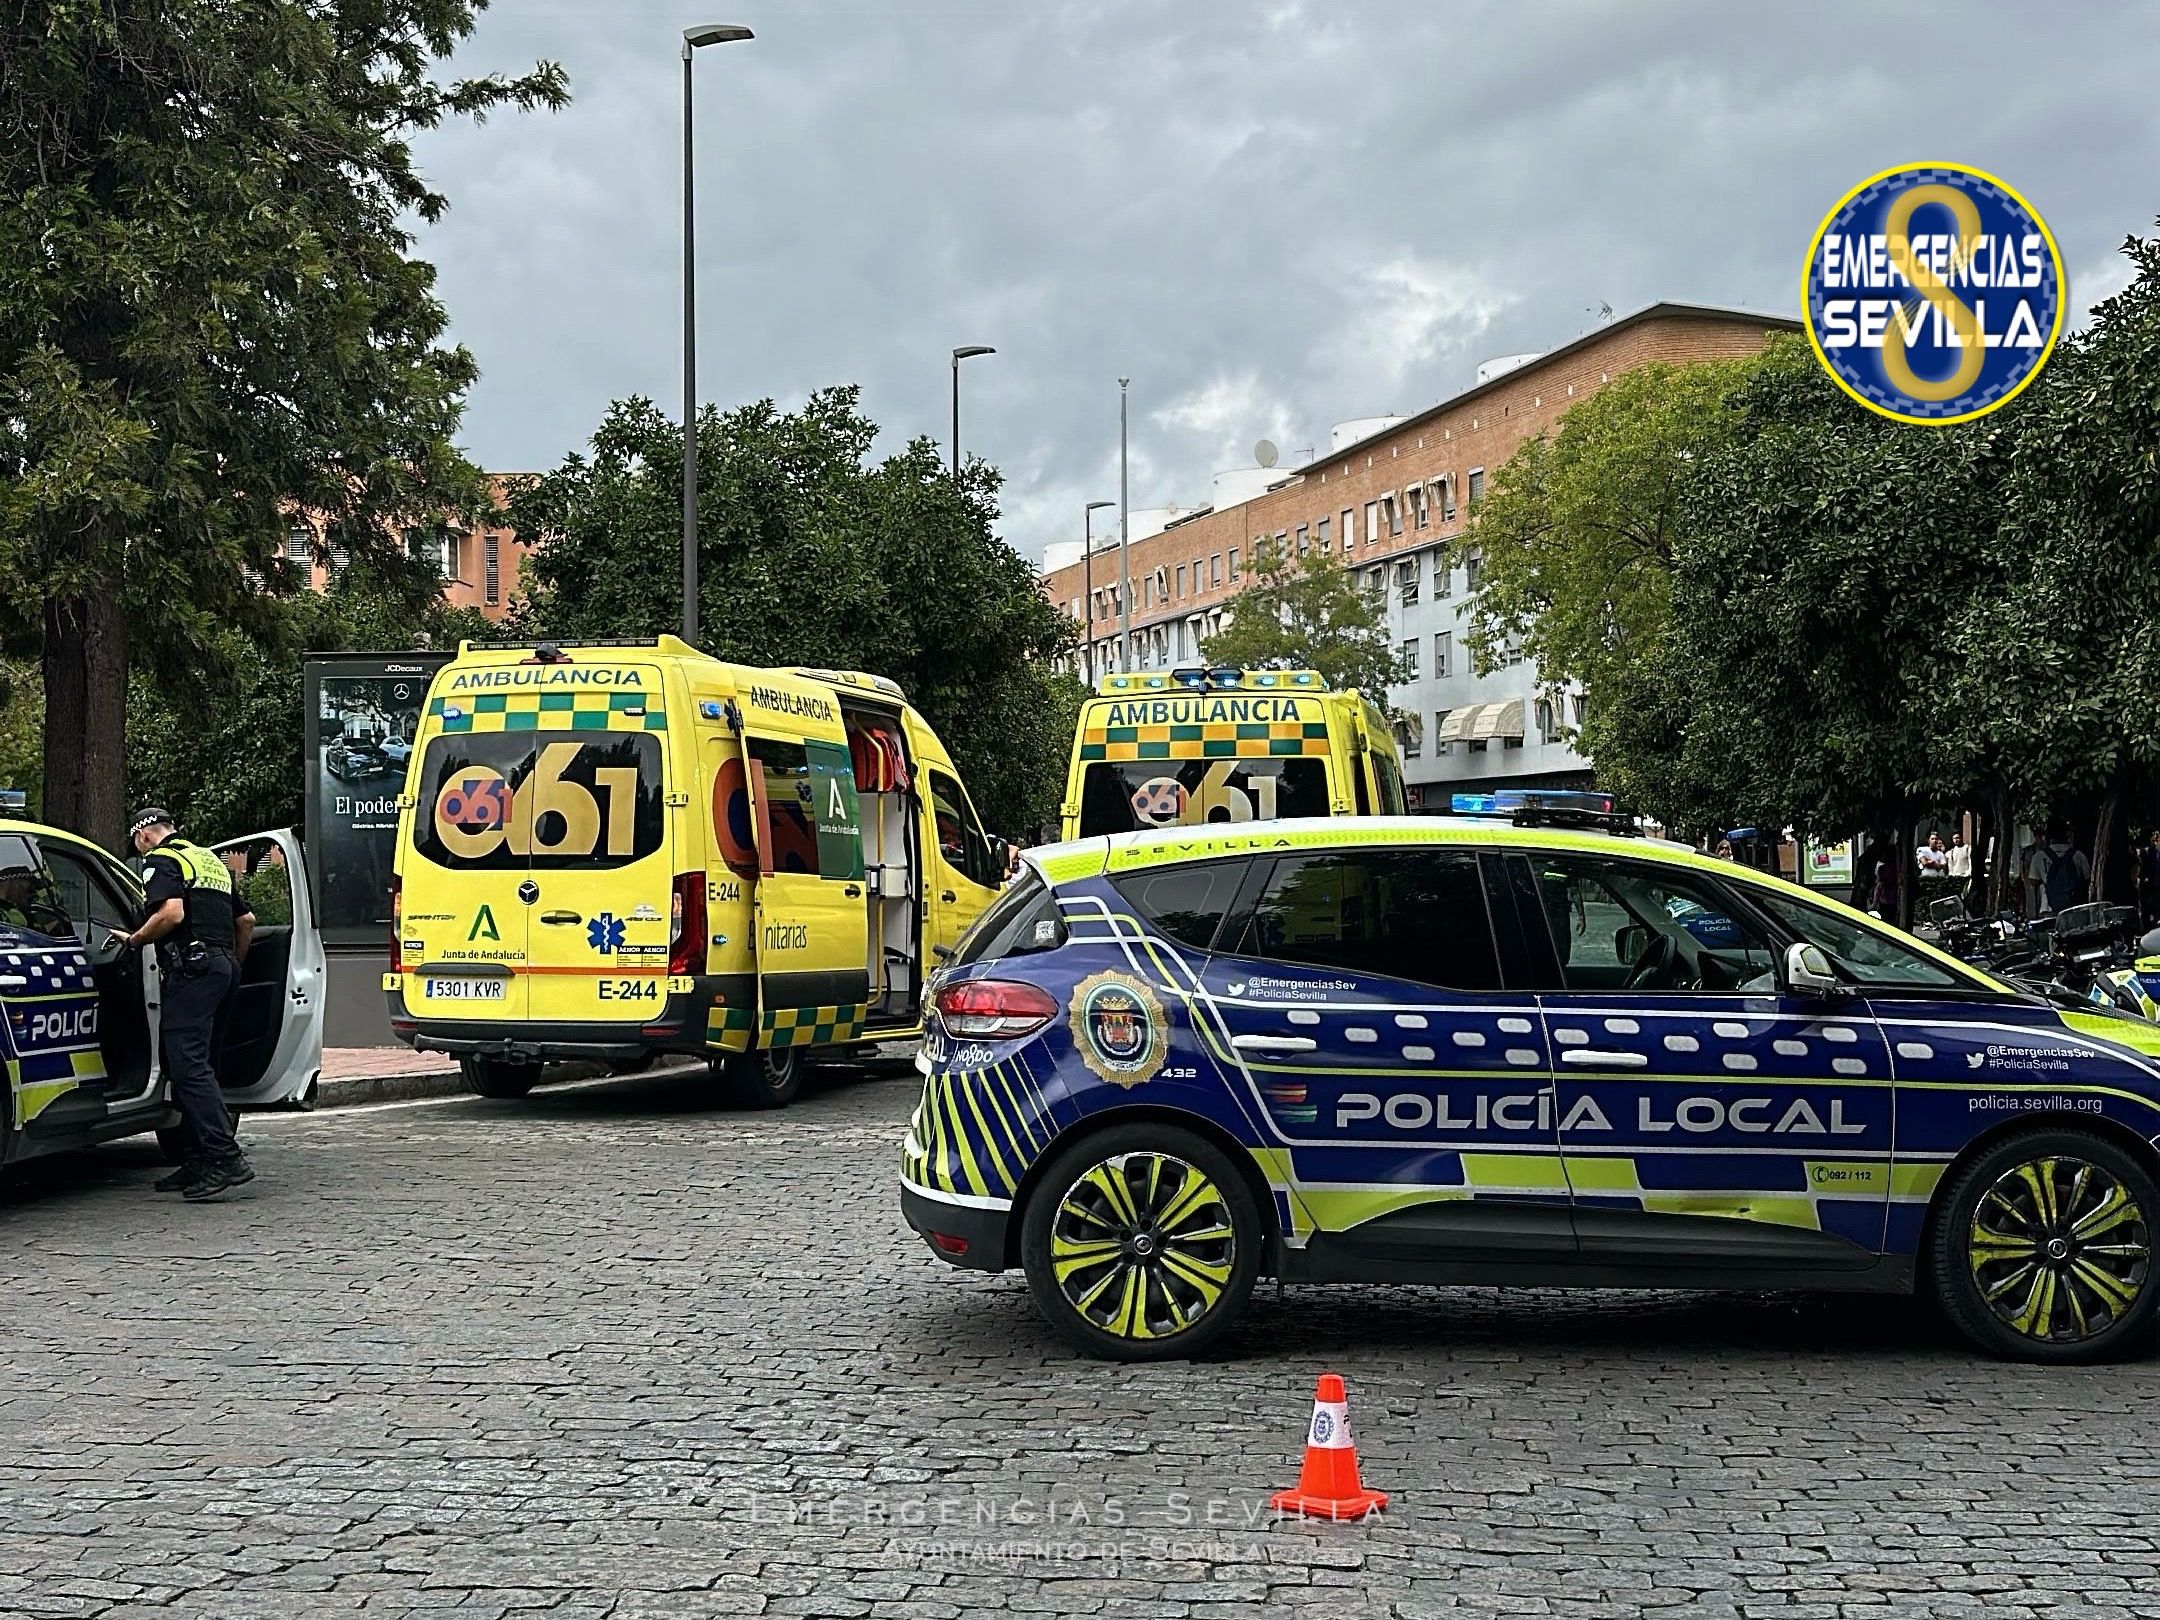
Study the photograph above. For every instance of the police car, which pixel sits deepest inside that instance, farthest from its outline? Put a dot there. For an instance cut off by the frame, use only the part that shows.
(1518, 1051)
(78, 1011)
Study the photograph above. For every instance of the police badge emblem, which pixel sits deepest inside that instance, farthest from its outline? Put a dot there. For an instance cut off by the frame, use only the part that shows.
(1119, 1028)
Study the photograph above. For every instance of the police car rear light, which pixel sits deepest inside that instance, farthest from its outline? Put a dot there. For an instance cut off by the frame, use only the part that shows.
(946, 1243)
(998, 1008)
(686, 925)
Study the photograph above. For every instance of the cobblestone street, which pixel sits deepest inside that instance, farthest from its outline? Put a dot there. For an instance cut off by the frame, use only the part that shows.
(616, 1351)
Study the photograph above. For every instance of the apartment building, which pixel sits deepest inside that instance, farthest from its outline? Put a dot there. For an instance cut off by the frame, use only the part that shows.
(480, 564)
(1389, 497)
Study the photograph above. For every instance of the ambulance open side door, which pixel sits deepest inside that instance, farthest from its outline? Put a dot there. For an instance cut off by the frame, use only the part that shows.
(811, 916)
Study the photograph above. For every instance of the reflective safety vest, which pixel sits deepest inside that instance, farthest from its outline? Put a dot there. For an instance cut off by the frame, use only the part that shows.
(202, 873)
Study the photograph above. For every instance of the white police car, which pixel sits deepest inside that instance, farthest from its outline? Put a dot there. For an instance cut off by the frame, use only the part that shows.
(78, 1012)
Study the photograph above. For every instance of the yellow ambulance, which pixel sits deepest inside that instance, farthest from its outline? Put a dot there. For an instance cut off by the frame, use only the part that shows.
(611, 849)
(1190, 746)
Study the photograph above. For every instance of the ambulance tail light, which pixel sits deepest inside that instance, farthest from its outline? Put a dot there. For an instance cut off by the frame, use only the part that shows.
(397, 925)
(686, 925)
(995, 1009)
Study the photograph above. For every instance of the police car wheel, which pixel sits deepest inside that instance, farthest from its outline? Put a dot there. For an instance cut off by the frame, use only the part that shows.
(492, 1077)
(1141, 1243)
(772, 1078)
(2042, 1249)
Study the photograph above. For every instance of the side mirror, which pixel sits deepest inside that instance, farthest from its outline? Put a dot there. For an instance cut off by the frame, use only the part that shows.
(1808, 973)
(1629, 942)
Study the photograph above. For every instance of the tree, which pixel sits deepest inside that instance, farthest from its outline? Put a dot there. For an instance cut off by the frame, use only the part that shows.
(209, 319)
(1578, 534)
(1310, 613)
(810, 554)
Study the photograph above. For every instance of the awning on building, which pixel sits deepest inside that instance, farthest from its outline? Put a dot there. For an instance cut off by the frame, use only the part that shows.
(1457, 724)
(1496, 720)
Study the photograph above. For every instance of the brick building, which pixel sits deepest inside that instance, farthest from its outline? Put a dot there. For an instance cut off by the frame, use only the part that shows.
(1387, 497)
(480, 565)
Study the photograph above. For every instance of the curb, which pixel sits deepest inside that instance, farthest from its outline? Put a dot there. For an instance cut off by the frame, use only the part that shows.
(421, 1083)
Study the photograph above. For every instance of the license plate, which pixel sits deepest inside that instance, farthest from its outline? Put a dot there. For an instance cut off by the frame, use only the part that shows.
(466, 989)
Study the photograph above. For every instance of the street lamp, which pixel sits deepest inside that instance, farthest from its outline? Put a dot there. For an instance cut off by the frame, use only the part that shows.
(958, 355)
(703, 34)
(1087, 578)
(1124, 540)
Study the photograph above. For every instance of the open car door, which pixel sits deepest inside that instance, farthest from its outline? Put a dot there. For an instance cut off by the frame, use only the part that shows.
(270, 1035)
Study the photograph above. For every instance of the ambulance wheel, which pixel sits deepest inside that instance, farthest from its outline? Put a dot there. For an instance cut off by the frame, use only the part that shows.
(494, 1077)
(772, 1078)
(1141, 1243)
(2042, 1248)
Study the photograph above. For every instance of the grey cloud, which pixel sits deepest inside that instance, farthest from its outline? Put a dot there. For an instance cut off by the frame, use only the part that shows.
(1336, 208)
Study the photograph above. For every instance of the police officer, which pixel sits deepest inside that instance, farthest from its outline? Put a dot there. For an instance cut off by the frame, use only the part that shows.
(201, 924)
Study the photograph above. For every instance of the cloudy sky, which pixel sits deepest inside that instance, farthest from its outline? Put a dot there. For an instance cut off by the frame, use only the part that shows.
(1271, 215)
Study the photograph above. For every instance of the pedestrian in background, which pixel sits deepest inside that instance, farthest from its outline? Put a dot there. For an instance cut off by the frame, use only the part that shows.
(201, 924)
(1961, 868)
(2148, 881)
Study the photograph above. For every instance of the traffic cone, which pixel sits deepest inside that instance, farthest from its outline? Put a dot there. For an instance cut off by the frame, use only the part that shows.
(1327, 1486)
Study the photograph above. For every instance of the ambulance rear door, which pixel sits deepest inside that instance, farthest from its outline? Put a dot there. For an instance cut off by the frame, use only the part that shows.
(811, 913)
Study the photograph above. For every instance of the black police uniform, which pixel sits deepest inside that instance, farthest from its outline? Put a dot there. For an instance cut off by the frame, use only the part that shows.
(196, 964)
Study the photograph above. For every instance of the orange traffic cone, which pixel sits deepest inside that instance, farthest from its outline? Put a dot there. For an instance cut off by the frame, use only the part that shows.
(1327, 1486)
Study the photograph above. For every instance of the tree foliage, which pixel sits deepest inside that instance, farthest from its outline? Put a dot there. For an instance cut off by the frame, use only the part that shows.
(209, 317)
(1310, 612)
(809, 553)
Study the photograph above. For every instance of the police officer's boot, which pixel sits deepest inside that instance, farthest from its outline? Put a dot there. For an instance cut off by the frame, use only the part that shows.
(177, 1178)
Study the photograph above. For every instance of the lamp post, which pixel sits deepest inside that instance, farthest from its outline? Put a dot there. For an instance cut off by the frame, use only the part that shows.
(1124, 541)
(958, 355)
(693, 38)
(1087, 578)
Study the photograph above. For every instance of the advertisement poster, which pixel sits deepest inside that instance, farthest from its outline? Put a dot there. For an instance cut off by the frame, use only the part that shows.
(363, 710)
(1829, 866)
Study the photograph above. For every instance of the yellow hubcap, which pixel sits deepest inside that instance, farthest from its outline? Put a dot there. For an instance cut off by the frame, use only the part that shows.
(2058, 1249)
(1142, 1245)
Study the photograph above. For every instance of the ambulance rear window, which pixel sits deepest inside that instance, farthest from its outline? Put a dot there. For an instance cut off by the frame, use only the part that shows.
(1128, 794)
(543, 800)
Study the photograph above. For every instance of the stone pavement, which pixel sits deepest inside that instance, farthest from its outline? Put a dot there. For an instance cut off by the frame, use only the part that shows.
(613, 1351)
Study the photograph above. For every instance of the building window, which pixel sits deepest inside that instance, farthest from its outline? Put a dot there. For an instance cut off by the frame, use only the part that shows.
(1510, 742)
(1447, 499)
(1443, 575)
(300, 543)
(1578, 711)
(1320, 535)
(1477, 488)
(1372, 523)
(1473, 565)
(1439, 724)
(1419, 506)
(1199, 575)
(491, 575)
(340, 555)
(1349, 531)
(1406, 579)
(1215, 570)
(1410, 736)
(1304, 539)
(1511, 651)
(1410, 655)
(1443, 653)
(1233, 565)
(1392, 510)
(1548, 729)
(1181, 579)
(1376, 582)
(1477, 745)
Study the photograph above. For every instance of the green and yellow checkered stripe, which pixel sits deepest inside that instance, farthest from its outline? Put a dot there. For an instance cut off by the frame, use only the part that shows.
(1254, 739)
(811, 1026)
(36, 1092)
(727, 1029)
(549, 711)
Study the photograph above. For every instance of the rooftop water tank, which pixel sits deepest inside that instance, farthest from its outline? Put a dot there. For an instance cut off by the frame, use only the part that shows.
(1358, 427)
(1234, 486)
(1489, 369)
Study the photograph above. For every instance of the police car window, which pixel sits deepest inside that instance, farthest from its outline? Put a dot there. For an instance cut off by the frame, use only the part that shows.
(1864, 955)
(259, 875)
(30, 901)
(960, 837)
(1185, 902)
(1416, 914)
(1644, 928)
(88, 896)
(1129, 794)
(544, 800)
(1024, 918)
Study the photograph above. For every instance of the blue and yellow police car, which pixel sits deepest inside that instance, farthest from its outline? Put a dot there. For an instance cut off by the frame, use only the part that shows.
(1527, 1051)
(79, 1011)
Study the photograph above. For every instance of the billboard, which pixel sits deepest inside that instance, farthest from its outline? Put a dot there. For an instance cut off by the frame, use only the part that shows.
(363, 711)
(1829, 865)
